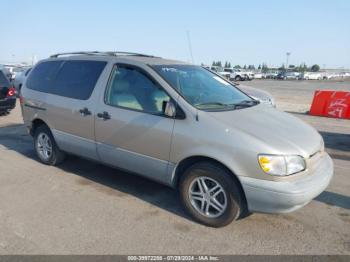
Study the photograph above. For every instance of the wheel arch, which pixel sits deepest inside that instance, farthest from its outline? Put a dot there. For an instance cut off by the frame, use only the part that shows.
(189, 161)
(35, 124)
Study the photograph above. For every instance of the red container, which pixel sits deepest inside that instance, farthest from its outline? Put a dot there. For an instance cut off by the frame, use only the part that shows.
(331, 104)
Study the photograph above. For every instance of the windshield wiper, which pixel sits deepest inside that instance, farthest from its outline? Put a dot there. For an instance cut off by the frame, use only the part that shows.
(212, 104)
(246, 103)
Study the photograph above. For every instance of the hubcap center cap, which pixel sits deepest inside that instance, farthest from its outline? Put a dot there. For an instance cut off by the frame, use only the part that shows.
(207, 196)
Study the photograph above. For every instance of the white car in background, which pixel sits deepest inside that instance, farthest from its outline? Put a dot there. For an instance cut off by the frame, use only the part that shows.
(20, 77)
(259, 75)
(270, 75)
(239, 74)
(220, 71)
(312, 76)
(345, 74)
(257, 94)
(327, 76)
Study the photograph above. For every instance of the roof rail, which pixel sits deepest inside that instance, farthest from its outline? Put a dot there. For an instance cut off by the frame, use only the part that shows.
(108, 53)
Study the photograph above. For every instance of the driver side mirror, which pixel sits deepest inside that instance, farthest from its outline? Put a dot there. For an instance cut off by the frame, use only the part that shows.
(169, 108)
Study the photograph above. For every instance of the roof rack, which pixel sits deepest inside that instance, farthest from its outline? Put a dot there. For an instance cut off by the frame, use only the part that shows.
(108, 53)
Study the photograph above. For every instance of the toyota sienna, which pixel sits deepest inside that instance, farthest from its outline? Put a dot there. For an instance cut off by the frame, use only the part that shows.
(179, 124)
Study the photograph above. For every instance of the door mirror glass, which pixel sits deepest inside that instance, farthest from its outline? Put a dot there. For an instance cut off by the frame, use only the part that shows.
(169, 109)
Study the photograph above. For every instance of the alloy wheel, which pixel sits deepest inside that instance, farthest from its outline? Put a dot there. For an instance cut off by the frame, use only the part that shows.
(207, 196)
(44, 146)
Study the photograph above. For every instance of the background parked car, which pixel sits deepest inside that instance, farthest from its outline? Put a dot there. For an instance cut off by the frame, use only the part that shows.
(20, 77)
(6, 72)
(311, 76)
(259, 75)
(239, 74)
(271, 75)
(7, 94)
(288, 75)
(328, 76)
(220, 71)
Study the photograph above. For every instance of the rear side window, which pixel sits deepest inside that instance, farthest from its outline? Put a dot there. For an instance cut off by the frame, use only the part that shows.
(73, 79)
(3, 80)
(41, 79)
(77, 79)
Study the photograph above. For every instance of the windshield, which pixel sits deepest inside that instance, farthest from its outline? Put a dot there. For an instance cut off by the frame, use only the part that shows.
(202, 88)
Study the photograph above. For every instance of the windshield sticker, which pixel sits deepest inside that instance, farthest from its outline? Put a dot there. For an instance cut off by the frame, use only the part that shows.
(222, 81)
(169, 69)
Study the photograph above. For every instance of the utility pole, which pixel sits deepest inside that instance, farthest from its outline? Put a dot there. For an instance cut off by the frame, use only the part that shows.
(287, 54)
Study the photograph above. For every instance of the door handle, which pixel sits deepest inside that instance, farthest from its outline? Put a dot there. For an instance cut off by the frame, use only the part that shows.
(85, 111)
(105, 115)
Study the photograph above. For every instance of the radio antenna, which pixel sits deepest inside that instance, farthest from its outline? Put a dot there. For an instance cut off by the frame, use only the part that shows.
(189, 45)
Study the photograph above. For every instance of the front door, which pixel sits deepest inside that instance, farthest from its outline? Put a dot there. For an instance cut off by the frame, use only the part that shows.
(130, 128)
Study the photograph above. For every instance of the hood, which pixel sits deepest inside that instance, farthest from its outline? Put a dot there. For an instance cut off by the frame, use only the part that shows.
(255, 92)
(258, 94)
(278, 131)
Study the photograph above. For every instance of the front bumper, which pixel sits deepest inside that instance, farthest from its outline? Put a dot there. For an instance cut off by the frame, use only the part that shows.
(283, 197)
(7, 103)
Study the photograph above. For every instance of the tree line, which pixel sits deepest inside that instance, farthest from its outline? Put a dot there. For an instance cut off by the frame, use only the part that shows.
(264, 68)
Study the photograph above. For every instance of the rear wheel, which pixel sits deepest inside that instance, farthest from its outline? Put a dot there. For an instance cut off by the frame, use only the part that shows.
(210, 194)
(238, 78)
(46, 147)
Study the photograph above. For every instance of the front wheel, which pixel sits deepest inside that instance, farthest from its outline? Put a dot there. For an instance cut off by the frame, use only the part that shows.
(210, 194)
(238, 78)
(46, 147)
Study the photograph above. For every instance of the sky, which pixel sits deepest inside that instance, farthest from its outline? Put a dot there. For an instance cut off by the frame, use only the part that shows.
(241, 32)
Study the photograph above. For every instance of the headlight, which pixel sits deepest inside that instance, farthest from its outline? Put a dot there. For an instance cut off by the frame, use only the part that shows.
(276, 165)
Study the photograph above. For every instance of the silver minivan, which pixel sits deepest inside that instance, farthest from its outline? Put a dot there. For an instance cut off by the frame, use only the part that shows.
(179, 124)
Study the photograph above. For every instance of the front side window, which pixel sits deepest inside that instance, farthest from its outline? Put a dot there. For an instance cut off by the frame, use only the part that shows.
(130, 88)
(202, 88)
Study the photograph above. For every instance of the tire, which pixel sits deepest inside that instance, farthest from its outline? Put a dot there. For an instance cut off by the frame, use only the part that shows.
(238, 78)
(56, 156)
(230, 196)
